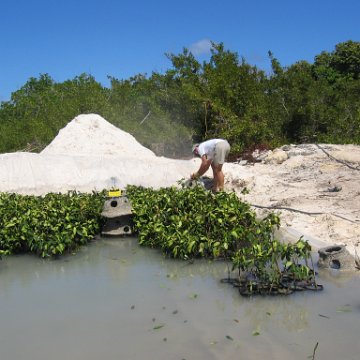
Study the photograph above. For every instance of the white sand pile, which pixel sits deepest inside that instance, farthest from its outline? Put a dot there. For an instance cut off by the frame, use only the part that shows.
(92, 135)
(89, 154)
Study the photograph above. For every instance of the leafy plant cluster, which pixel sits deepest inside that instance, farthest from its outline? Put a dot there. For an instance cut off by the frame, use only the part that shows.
(223, 96)
(188, 223)
(272, 267)
(49, 225)
(192, 222)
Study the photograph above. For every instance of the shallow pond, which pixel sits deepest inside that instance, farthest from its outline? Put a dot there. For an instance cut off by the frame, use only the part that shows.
(116, 300)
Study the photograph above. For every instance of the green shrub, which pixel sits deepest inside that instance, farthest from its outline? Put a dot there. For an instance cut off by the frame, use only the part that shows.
(49, 225)
(188, 223)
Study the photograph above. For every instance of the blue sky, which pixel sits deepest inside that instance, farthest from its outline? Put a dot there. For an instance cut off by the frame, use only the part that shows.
(65, 38)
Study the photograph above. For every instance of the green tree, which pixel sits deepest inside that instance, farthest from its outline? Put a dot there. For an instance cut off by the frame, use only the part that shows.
(40, 108)
(343, 62)
(192, 101)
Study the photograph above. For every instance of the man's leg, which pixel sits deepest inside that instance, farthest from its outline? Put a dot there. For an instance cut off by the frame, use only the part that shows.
(218, 177)
(222, 150)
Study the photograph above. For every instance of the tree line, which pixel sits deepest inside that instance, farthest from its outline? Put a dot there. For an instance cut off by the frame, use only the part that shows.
(223, 97)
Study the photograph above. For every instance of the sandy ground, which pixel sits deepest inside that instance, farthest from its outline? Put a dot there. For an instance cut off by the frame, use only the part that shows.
(314, 187)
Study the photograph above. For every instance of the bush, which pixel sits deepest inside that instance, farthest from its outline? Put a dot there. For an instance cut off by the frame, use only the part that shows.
(49, 225)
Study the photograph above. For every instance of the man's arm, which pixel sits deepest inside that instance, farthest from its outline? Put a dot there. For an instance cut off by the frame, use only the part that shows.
(204, 166)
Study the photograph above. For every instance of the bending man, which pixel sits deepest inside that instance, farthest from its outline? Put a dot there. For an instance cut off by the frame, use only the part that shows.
(212, 152)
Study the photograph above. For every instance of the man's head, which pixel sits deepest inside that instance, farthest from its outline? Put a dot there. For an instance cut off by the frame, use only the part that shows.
(195, 149)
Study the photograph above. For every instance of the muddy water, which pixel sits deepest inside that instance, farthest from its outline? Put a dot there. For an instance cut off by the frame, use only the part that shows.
(116, 300)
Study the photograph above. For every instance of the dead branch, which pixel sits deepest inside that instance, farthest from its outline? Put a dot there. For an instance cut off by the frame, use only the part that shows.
(339, 161)
(303, 212)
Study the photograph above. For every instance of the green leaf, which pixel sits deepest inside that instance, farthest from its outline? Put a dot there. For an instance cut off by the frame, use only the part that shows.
(157, 327)
(191, 246)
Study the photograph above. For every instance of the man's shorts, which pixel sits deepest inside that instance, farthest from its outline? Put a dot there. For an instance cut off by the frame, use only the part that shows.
(222, 149)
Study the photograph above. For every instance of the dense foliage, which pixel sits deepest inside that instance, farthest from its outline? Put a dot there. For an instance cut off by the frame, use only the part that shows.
(192, 223)
(222, 97)
(49, 225)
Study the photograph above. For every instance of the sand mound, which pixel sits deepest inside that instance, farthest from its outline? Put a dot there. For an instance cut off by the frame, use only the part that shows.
(89, 154)
(90, 134)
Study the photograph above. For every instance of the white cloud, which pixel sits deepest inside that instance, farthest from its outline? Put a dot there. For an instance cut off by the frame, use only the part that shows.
(201, 47)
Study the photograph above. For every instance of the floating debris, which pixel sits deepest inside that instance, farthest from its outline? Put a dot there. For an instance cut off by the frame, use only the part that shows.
(157, 327)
